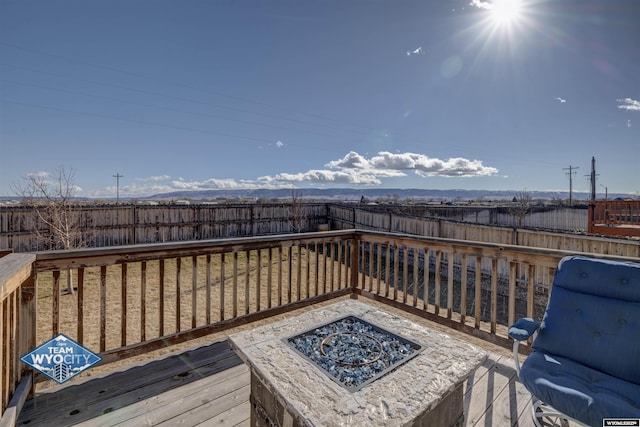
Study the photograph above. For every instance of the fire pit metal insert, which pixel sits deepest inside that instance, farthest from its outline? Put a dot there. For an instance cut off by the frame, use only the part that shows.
(353, 352)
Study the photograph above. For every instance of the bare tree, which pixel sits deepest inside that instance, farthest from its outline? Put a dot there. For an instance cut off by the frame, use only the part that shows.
(297, 215)
(521, 205)
(56, 220)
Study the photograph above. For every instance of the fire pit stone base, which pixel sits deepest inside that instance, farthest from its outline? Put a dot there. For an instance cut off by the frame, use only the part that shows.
(288, 390)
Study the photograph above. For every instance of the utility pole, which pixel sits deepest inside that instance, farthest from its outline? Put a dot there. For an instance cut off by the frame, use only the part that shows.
(571, 172)
(606, 192)
(117, 176)
(593, 179)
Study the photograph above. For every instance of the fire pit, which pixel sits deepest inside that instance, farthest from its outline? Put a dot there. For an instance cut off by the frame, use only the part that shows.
(353, 352)
(350, 363)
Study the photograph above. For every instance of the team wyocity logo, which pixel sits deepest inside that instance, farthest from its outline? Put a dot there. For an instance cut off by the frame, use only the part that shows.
(60, 358)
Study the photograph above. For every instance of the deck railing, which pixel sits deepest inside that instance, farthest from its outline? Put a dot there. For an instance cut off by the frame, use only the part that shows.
(17, 331)
(125, 301)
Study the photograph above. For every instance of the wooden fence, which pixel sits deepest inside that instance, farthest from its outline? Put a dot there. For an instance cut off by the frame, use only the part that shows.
(347, 217)
(112, 225)
(560, 218)
(134, 224)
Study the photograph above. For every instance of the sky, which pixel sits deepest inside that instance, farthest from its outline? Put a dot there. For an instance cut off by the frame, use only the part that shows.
(201, 94)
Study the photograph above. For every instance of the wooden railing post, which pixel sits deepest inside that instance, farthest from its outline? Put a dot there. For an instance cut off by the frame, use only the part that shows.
(353, 279)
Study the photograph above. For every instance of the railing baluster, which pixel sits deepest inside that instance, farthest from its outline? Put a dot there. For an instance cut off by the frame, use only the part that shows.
(13, 334)
(194, 291)
(463, 289)
(478, 293)
(269, 277)
(55, 308)
(80, 332)
(531, 282)
(332, 264)
(143, 301)
(222, 279)
(416, 281)
(208, 291)
(308, 263)
(405, 274)
(258, 277)
(378, 268)
(161, 297)
(340, 280)
(513, 271)
(161, 286)
(371, 265)
(426, 279)
(247, 282)
(325, 267)
(494, 294)
(279, 248)
(299, 273)
(450, 263)
(234, 297)
(317, 275)
(387, 272)
(289, 272)
(396, 271)
(123, 304)
(438, 280)
(103, 308)
(178, 293)
(362, 255)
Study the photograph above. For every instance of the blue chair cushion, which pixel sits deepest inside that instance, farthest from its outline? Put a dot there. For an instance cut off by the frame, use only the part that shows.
(582, 393)
(593, 316)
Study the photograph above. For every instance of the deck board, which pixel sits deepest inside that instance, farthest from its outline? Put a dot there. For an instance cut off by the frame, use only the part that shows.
(88, 400)
(210, 386)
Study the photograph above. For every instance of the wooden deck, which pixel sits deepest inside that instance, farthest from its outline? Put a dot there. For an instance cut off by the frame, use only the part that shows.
(210, 386)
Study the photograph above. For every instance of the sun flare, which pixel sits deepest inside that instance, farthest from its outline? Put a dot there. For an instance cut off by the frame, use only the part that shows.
(501, 12)
(504, 12)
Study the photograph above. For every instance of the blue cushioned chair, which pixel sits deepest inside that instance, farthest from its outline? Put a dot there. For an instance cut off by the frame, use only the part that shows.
(585, 363)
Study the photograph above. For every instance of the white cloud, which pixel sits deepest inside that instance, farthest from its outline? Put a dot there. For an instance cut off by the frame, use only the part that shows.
(562, 101)
(629, 104)
(212, 184)
(39, 174)
(481, 4)
(280, 144)
(154, 178)
(356, 169)
(352, 169)
(323, 176)
(386, 164)
(629, 123)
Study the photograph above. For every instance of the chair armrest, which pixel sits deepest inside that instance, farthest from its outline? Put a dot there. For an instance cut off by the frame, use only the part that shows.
(523, 329)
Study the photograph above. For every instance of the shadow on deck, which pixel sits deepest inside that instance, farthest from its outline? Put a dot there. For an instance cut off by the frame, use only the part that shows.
(207, 385)
(210, 386)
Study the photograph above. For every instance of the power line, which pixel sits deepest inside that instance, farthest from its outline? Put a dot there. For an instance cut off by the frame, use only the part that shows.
(571, 172)
(161, 107)
(159, 124)
(196, 88)
(181, 98)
